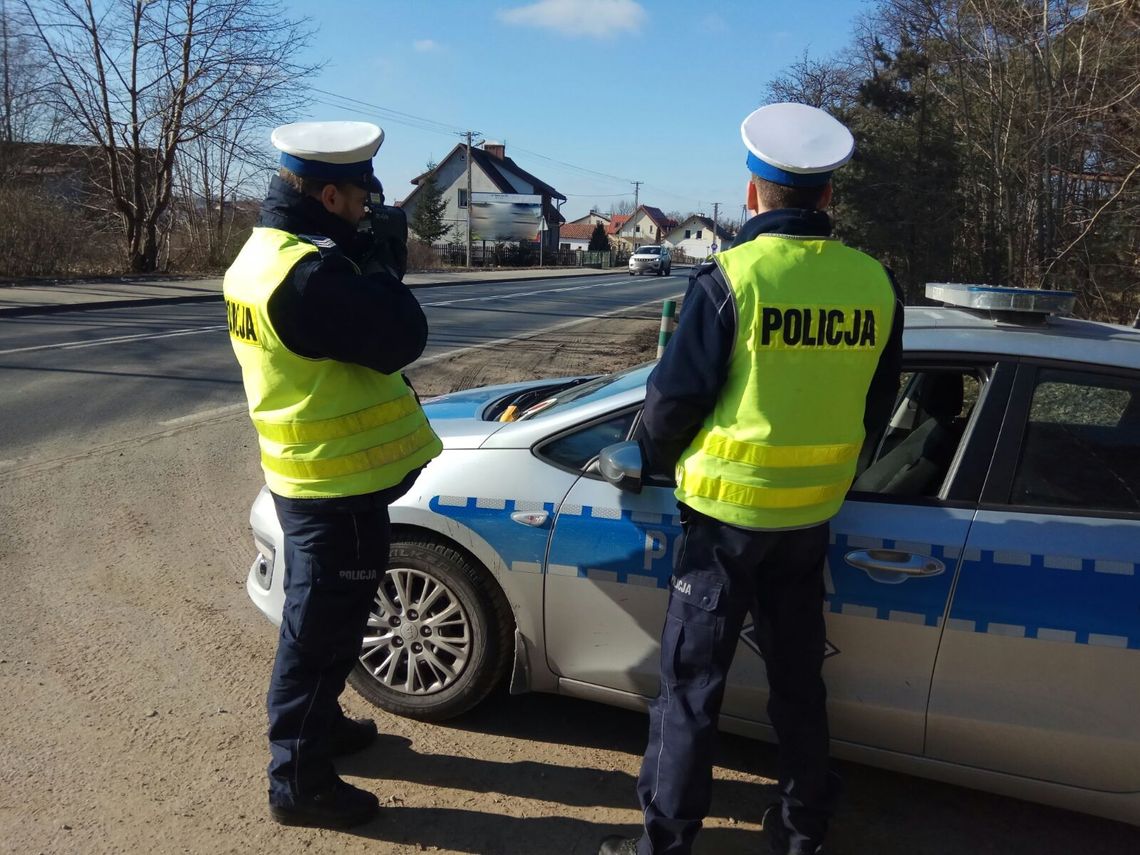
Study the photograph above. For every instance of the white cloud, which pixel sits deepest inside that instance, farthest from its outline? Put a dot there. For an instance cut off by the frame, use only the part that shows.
(426, 45)
(594, 18)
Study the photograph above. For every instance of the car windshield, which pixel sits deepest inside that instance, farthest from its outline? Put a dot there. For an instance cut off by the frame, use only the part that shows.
(595, 390)
(649, 250)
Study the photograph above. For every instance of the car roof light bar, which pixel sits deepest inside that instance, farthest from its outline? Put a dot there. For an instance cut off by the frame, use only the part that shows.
(1035, 302)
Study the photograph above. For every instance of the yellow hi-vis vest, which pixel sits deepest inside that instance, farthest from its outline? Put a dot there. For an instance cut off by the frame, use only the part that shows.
(326, 428)
(780, 448)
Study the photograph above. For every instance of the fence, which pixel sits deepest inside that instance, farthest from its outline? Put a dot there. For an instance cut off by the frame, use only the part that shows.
(523, 254)
(526, 254)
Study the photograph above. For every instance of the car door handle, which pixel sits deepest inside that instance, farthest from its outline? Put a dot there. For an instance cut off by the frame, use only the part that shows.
(892, 566)
(535, 519)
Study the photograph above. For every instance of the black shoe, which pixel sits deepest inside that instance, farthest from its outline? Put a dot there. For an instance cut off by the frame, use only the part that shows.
(614, 845)
(340, 806)
(350, 735)
(779, 837)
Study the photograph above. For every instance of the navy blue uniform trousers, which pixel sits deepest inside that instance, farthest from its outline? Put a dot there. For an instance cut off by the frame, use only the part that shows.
(722, 573)
(336, 552)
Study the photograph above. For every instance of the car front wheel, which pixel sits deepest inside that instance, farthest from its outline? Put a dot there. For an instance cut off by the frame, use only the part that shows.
(439, 634)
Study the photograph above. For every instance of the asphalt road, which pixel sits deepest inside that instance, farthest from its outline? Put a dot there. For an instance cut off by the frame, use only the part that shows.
(73, 380)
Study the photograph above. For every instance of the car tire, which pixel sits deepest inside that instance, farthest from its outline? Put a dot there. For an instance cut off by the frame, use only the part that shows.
(487, 624)
(631, 273)
(660, 271)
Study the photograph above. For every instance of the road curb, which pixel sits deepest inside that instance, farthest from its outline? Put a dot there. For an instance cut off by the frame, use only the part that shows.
(57, 308)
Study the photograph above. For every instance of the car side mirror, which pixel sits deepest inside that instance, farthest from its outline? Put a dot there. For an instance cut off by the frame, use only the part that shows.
(620, 464)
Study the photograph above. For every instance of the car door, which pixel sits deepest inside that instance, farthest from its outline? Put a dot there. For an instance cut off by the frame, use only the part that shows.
(896, 545)
(609, 558)
(1037, 672)
(611, 555)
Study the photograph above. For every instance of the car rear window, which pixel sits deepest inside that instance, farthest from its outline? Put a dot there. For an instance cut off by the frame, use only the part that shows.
(1081, 447)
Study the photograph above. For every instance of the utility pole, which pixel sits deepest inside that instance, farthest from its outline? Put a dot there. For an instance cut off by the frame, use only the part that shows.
(716, 210)
(469, 134)
(636, 196)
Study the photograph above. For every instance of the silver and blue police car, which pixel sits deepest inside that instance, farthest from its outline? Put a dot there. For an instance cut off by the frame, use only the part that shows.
(983, 581)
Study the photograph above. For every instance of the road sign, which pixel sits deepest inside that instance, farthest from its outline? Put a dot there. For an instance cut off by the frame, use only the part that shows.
(712, 248)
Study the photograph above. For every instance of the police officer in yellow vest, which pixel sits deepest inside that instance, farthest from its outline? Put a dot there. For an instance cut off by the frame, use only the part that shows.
(786, 356)
(321, 346)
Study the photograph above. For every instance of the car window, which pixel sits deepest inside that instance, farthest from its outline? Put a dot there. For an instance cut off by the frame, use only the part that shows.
(576, 449)
(595, 390)
(1081, 446)
(913, 456)
(648, 250)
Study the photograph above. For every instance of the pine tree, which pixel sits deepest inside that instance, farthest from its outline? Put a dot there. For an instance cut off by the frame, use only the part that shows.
(598, 240)
(428, 219)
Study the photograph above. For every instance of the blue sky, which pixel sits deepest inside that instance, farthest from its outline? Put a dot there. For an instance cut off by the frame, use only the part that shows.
(652, 90)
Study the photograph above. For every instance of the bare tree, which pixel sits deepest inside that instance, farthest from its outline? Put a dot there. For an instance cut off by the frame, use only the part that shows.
(144, 80)
(23, 83)
(831, 85)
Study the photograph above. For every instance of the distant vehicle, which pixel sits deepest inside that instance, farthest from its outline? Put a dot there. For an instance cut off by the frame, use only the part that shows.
(651, 259)
(983, 579)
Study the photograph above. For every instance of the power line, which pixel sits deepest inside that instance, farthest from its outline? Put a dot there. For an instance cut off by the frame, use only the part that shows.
(423, 123)
(396, 115)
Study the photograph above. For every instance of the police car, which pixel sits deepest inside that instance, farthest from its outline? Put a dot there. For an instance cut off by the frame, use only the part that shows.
(983, 581)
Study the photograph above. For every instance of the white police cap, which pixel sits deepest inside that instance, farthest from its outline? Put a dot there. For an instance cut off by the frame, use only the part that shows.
(335, 151)
(795, 145)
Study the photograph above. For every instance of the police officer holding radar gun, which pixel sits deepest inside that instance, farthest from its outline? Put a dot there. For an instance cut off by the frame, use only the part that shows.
(322, 326)
(786, 357)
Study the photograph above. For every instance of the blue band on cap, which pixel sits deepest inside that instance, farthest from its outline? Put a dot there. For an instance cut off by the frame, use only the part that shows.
(332, 171)
(780, 176)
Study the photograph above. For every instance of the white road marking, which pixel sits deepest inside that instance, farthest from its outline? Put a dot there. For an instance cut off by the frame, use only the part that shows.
(207, 414)
(531, 333)
(513, 294)
(119, 339)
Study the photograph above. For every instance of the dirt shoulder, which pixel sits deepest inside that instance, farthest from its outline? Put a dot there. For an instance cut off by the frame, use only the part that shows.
(133, 672)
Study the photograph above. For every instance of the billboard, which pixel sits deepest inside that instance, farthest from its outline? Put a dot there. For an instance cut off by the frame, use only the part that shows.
(505, 216)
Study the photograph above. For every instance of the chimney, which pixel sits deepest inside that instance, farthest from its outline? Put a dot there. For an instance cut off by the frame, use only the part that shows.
(495, 149)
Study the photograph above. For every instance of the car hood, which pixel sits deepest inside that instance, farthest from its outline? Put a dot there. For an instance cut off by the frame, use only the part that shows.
(459, 420)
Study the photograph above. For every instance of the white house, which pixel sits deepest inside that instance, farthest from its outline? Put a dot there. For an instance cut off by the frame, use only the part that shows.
(694, 237)
(646, 225)
(491, 172)
(592, 218)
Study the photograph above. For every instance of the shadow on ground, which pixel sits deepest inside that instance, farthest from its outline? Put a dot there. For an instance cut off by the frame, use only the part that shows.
(882, 812)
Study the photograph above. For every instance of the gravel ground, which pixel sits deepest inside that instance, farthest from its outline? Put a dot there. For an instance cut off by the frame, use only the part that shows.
(133, 672)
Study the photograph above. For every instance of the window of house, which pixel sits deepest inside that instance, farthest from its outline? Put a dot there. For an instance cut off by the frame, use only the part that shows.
(637, 230)
(462, 198)
(688, 234)
(1081, 447)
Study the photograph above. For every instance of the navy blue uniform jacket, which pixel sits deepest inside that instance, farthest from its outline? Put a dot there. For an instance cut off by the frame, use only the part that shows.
(325, 309)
